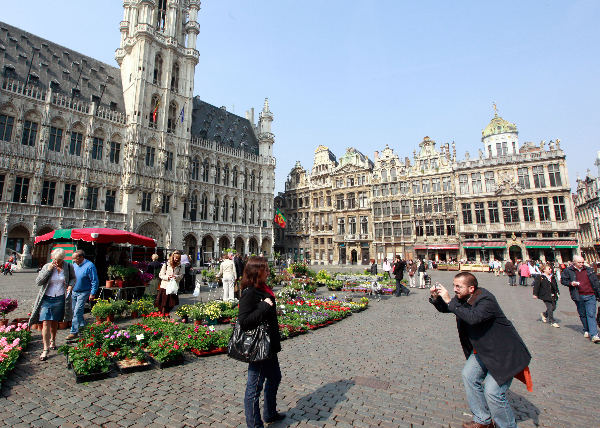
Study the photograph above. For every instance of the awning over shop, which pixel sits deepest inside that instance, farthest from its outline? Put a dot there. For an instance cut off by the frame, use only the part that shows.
(550, 244)
(484, 245)
(437, 247)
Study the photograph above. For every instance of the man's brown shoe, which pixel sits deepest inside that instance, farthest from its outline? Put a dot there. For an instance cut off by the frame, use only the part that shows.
(473, 424)
(72, 336)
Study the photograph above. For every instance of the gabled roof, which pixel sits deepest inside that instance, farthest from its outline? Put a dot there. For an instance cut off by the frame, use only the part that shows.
(66, 68)
(217, 124)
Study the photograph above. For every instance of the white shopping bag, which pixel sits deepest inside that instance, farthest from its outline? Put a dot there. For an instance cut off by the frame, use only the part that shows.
(196, 291)
(172, 287)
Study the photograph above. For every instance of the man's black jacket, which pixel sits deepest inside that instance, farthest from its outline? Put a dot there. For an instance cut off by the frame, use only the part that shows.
(253, 310)
(483, 327)
(570, 274)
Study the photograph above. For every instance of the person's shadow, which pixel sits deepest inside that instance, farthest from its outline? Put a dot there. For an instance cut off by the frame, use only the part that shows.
(523, 408)
(317, 405)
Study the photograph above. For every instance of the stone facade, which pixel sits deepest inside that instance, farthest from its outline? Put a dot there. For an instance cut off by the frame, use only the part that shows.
(587, 210)
(511, 201)
(85, 144)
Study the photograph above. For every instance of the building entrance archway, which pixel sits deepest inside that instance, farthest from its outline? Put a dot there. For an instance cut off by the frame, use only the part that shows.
(41, 252)
(207, 249)
(515, 253)
(190, 246)
(239, 245)
(224, 244)
(353, 257)
(253, 246)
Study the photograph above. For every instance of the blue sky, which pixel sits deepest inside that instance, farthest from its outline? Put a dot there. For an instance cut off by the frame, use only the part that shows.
(370, 73)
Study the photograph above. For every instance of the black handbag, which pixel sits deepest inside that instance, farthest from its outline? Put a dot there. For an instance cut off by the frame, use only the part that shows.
(250, 346)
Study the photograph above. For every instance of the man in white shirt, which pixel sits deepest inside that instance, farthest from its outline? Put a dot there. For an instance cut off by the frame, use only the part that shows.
(228, 274)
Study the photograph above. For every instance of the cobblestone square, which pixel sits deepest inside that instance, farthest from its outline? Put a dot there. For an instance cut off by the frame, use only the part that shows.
(397, 364)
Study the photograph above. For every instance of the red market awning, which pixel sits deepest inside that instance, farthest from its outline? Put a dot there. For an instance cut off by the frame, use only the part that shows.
(484, 244)
(550, 244)
(100, 235)
(437, 247)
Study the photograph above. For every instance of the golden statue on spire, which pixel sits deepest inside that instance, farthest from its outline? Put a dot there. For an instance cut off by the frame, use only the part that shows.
(495, 109)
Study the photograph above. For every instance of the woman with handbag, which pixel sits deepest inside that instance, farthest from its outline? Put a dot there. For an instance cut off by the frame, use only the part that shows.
(545, 288)
(56, 280)
(257, 305)
(170, 271)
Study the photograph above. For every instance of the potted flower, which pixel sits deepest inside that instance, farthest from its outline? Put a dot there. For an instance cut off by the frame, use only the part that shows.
(112, 273)
(211, 277)
(102, 310)
(6, 307)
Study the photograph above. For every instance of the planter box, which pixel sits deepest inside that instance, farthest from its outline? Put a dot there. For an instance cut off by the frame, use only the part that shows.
(81, 378)
(215, 351)
(124, 367)
(176, 362)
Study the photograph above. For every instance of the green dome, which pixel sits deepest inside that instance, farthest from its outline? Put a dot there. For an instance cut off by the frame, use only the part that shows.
(498, 126)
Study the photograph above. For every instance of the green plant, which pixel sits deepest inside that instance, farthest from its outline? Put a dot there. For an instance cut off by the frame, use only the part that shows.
(118, 307)
(211, 276)
(204, 273)
(115, 272)
(165, 350)
(142, 306)
(102, 308)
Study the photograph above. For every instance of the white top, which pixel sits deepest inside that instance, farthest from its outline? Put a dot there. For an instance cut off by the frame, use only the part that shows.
(185, 260)
(227, 269)
(387, 267)
(56, 284)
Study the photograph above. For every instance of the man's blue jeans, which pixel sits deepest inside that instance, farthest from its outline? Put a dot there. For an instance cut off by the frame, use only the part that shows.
(486, 398)
(586, 307)
(78, 300)
(257, 373)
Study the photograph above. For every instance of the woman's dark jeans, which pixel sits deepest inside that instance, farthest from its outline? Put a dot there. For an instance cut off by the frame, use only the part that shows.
(257, 374)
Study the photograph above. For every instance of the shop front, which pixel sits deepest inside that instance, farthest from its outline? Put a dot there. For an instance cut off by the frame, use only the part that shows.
(484, 251)
(437, 252)
(551, 251)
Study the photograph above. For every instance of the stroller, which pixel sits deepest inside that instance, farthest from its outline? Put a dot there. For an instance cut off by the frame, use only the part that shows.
(376, 290)
(427, 280)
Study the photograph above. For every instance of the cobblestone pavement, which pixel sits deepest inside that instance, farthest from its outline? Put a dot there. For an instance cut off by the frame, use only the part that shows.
(397, 364)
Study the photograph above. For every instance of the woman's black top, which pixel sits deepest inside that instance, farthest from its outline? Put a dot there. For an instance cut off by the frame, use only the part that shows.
(253, 310)
(544, 289)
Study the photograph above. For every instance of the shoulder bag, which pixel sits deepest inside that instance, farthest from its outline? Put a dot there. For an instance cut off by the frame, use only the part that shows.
(250, 346)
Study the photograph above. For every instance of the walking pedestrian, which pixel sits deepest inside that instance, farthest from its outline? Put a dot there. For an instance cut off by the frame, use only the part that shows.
(172, 270)
(387, 268)
(412, 273)
(257, 305)
(422, 269)
(494, 350)
(523, 274)
(585, 289)
(56, 280)
(399, 267)
(509, 269)
(373, 269)
(545, 288)
(154, 268)
(239, 269)
(228, 275)
(85, 289)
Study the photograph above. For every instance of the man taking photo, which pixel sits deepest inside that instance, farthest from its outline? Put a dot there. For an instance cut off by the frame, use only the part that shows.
(494, 350)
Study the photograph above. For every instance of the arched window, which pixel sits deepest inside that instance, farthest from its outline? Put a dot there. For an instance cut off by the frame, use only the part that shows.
(234, 207)
(175, 78)
(244, 212)
(235, 177)
(172, 118)
(245, 184)
(252, 181)
(252, 213)
(154, 107)
(225, 216)
(194, 207)
(195, 169)
(157, 76)
(226, 175)
(218, 173)
(204, 207)
(393, 174)
(384, 175)
(30, 129)
(205, 170)
(216, 212)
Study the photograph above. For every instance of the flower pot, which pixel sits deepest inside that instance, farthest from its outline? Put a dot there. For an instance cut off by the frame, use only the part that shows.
(197, 322)
(99, 320)
(134, 314)
(110, 318)
(119, 283)
(184, 319)
(4, 322)
(110, 283)
(18, 321)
